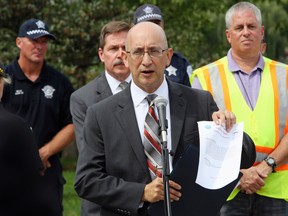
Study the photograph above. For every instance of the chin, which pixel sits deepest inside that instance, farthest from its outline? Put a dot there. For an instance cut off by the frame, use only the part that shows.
(122, 71)
(38, 61)
(38, 58)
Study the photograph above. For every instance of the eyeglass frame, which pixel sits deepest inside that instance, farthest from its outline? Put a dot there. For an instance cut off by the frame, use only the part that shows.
(138, 57)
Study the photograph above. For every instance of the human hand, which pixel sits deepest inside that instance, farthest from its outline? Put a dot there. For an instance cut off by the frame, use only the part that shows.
(224, 118)
(154, 191)
(252, 180)
(42, 172)
(44, 155)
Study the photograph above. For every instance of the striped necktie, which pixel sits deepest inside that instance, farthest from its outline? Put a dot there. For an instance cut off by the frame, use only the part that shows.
(123, 85)
(152, 144)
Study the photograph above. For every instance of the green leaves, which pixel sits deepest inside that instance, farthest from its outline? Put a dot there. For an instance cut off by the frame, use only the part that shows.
(194, 28)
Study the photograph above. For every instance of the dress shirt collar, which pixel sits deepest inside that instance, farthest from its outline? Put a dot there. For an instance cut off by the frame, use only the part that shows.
(232, 65)
(114, 83)
(138, 95)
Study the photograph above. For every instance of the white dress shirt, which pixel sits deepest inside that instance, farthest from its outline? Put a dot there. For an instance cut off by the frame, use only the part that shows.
(141, 108)
(114, 83)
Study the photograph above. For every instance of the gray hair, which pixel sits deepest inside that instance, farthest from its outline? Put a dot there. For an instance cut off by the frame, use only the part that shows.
(242, 6)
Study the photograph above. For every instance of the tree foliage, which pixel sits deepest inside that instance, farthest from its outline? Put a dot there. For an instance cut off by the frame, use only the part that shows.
(195, 28)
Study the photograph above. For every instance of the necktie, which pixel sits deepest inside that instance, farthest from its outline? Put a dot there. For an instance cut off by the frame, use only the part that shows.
(123, 85)
(152, 146)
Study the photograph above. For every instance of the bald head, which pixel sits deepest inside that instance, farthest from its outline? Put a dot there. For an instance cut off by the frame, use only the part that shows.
(145, 30)
(147, 55)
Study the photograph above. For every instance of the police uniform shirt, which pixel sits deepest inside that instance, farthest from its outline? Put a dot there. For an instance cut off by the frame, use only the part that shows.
(179, 70)
(44, 104)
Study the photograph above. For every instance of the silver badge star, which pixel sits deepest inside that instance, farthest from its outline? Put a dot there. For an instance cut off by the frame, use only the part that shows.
(171, 70)
(148, 10)
(40, 24)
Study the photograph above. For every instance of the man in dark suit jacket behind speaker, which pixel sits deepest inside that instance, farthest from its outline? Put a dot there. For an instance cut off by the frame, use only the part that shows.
(111, 45)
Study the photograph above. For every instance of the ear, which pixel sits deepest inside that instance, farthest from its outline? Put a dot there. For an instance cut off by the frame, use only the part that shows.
(262, 31)
(228, 36)
(18, 42)
(169, 55)
(101, 55)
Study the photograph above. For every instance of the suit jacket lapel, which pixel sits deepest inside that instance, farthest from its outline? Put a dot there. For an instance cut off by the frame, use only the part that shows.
(127, 119)
(178, 108)
(102, 88)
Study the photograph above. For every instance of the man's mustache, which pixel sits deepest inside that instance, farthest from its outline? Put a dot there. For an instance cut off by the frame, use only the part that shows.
(119, 62)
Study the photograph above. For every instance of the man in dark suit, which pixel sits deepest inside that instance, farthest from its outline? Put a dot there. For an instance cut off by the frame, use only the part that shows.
(112, 167)
(111, 45)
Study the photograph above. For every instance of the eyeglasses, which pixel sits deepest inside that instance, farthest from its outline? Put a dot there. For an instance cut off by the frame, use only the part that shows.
(138, 53)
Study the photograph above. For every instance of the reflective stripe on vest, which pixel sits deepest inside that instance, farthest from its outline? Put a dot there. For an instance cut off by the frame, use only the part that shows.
(265, 130)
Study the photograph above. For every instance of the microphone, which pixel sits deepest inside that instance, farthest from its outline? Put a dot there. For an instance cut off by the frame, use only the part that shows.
(161, 103)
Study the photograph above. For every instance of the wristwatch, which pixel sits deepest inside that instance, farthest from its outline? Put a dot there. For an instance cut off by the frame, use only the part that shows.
(271, 162)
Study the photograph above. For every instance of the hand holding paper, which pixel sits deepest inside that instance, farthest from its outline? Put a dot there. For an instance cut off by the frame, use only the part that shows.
(220, 154)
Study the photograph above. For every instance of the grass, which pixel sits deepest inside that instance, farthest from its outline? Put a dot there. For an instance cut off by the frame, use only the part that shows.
(71, 201)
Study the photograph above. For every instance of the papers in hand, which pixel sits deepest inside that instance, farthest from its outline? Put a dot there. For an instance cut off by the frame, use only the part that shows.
(220, 154)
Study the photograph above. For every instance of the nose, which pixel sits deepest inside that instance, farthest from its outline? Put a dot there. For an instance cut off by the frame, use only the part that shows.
(39, 46)
(146, 58)
(120, 52)
(246, 31)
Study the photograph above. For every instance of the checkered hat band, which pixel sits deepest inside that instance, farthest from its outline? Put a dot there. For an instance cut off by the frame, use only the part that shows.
(39, 31)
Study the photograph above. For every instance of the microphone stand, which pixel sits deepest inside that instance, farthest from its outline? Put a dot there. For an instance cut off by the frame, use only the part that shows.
(166, 171)
(161, 103)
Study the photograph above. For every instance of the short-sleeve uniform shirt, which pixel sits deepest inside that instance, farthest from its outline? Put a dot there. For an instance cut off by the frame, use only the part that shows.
(44, 104)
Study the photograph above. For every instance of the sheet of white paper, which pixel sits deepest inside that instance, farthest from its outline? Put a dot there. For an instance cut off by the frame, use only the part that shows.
(220, 154)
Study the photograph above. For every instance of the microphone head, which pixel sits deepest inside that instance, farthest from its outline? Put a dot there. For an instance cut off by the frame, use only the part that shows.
(160, 101)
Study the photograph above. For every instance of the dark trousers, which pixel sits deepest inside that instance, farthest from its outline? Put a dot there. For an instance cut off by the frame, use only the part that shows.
(254, 205)
(50, 194)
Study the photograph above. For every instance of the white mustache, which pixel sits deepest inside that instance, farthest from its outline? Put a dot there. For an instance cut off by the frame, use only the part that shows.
(119, 62)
